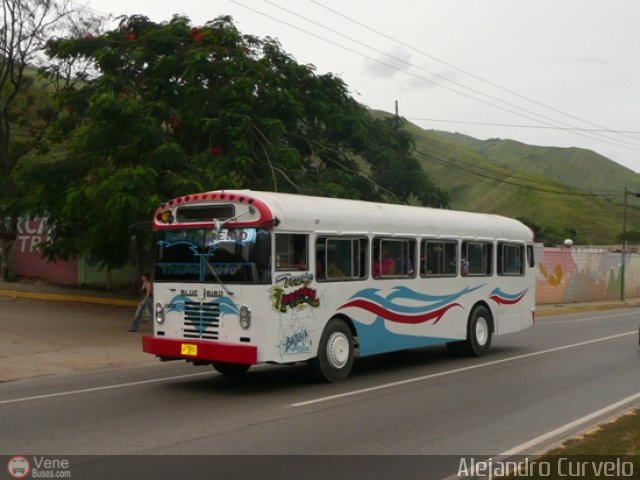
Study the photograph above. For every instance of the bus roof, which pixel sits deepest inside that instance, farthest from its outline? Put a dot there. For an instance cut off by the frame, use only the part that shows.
(333, 215)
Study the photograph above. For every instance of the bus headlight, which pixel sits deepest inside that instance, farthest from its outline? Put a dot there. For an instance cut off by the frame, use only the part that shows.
(159, 312)
(245, 317)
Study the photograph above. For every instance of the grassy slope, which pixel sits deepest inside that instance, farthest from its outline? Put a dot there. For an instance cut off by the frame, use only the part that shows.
(459, 170)
(576, 167)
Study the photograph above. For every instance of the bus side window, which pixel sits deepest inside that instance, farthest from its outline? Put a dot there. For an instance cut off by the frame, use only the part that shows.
(510, 259)
(292, 251)
(438, 258)
(530, 257)
(477, 257)
(393, 258)
(341, 258)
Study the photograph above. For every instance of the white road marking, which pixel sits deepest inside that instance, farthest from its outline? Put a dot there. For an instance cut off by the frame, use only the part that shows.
(97, 389)
(569, 426)
(553, 434)
(457, 370)
(331, 397)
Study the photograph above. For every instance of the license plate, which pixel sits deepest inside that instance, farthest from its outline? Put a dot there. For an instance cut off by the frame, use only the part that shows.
(189, 349)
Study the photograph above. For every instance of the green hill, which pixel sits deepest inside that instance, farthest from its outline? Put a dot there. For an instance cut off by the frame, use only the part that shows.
(494, 183)
(576, 167)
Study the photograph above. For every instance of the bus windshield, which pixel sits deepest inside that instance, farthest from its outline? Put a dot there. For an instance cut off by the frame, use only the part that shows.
(233, 255)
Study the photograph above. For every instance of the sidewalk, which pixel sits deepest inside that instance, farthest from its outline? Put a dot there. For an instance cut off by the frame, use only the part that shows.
(88, 333)
(79, 342)
(43, 291)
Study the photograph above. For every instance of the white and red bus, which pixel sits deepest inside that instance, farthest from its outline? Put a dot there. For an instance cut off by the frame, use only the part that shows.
(247, 277)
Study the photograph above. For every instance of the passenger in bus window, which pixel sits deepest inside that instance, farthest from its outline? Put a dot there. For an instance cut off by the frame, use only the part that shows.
(464, 265)
(386, 266)
(424, 270)
(334, 271)
(405, 265)
(300, 261)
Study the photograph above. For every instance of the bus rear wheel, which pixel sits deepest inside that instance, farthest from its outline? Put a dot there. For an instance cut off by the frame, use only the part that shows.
(231, 369)
(478, 332)
(335, 352)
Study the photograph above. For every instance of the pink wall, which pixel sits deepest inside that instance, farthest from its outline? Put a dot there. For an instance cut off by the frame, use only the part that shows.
(29, 262)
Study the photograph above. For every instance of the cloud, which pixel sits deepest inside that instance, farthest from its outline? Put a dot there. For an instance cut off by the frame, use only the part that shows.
(397, 59)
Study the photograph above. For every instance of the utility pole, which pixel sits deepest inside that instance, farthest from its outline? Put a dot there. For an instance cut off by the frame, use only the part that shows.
(624, 241)
(396, 122)
(624, 245)
(397, 118)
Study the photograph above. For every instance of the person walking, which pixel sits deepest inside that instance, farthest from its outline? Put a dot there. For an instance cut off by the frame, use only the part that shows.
(145, 303)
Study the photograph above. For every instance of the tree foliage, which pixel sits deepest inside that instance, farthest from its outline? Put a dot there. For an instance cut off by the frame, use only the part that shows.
(551, 236)
(25, 107)
(176, 109)
(631, 237)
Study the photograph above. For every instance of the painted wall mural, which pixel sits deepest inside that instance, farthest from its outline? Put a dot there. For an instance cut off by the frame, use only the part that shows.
(581, 274)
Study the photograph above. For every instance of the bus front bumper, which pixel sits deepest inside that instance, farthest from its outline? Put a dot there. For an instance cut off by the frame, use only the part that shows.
(199, 350)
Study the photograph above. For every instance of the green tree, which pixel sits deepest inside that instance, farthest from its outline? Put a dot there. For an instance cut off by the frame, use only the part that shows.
(175, 109)
(632, 237)
(25, 110)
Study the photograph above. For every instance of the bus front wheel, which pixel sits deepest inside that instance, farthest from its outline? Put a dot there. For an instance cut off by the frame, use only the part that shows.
(478, 332)
(231, 369)
(335, 352)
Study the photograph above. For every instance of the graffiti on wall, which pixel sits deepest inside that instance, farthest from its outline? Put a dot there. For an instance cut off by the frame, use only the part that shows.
(31, 232)
(567, 275)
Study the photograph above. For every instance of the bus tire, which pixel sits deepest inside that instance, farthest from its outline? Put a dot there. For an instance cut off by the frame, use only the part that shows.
(478, 332)
(335, 352)
(231, 369)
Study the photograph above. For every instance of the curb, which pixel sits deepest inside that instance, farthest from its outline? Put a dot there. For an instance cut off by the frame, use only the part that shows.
(60, 297)
(550, 311)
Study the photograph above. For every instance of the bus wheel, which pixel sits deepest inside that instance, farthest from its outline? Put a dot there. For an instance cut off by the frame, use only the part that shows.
(231, 369)
(335, 352)
(478, 332)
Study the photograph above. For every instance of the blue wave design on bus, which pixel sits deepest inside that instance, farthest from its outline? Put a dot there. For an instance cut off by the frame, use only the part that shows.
(431, 306)
(503, 298)
(377, 338)
(193, 247)
(176, 304)
(227, 306)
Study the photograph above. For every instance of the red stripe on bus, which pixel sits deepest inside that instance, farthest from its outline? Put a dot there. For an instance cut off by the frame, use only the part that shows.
(398, 317)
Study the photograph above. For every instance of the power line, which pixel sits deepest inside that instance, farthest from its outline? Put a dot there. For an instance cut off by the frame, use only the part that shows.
(434, 159)
(491, 124)
(500, 170)
(602, 138)
(466, 72)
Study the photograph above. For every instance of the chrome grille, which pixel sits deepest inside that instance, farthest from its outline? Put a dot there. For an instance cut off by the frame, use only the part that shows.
(201, 320)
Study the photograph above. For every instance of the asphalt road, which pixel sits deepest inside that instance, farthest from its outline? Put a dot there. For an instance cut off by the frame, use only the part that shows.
(534, 388)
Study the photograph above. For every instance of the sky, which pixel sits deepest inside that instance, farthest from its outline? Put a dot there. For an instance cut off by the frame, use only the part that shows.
(562, 73)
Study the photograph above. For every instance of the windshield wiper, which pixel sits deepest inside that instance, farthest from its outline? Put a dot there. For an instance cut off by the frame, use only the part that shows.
(218, 225)
(217, 277)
